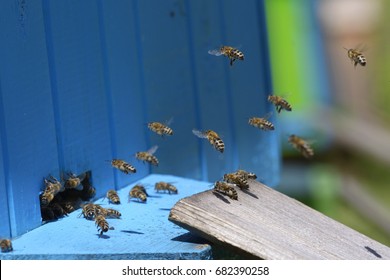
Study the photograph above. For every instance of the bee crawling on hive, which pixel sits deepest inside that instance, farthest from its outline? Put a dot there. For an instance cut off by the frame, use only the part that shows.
(246, 175)
(226, 189)
(113, 197)
(138, 192)
(102, 224)
(212, 137)
(148, 156)
(280, 103)
(356, 56)
(238, 180)
(229, 52)
(111, 213)
(160, 128)
(6, 245)
(301, 145)
(164, 186)
(74, 182)
(123, 166)
(262, 123)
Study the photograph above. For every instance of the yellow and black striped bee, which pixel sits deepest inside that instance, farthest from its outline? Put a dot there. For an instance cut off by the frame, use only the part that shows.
(53, 185)
(213, 138)
(236, 179)
(164, 186)
(148, 156)
(6, 245)
(356, 57)
(161, 129)
(226, 188)
(229, 52)
(301, 145)
(112, 213)
(247, 175)
(138, 192)
(279, 103)
(73, 181)
(89, 211)
(113, 197)
(262, 123)
(46, 197)
(123, 166)
(102, 224)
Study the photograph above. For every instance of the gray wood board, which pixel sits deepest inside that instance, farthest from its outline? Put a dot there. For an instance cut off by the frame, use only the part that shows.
(270, 225)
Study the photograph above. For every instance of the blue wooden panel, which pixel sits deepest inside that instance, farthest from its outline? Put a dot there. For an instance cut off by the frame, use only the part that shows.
(78, 86)
(168, 84)
(123, 81)
(28, 122)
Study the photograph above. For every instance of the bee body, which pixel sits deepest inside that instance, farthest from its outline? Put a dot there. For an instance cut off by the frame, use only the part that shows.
(279, 103)
(123, 166)
(261, 123)
(112, 213)
(46, 197)
(232, 53)
(148, 156)
(52, 185)
(163, 186)
(226, 188)
(301, 145)
(72, 182)
(102, 224)
(113, 197)
(212, 137)
(356, 57)
(138, 194)
(6, 245)
(234, 178)
(160, 128)
(247, 175)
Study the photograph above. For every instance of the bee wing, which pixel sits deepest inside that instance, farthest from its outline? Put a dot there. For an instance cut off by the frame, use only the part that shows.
(215, 52)
(169, 122)
(268, 115)
(152, 150)
(199, 133)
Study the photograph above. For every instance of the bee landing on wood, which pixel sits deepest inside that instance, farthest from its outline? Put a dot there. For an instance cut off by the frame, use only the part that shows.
(301, 145)
(123, 166)
(5, 245)
(148, 156)
(356, 57)
(262, 123)
(212, 137)
(245, 174)
(161, 129)
(229, 52)
(279, 103)
(226, 189)
(236, 179)
(163, 186)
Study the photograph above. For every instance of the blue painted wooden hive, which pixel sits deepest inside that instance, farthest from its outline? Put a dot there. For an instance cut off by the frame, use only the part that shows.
(80, 80)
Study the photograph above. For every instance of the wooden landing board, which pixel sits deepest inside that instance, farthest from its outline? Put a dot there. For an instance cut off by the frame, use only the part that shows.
(270, 225)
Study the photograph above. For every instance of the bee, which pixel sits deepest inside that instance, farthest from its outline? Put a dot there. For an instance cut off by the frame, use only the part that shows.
(88, 191)
(163, 186)
(213, 138)
(161, 129)
(148, 156)
(236, 179)
(46, 197)
(52, 185)
(301, 145)
(6, 245)
(89, 211)
(112, 213)
(137, 192)
(141, 188)
(226, 188)
(123, 166)
(102, 224)
(73, 181)
(262, 123)
(356, 57)
(230, 52)
(279, 103)
(113, 197)
(247, 175)
(68, 207)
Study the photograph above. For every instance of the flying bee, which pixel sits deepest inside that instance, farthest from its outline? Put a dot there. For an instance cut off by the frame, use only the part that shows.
(163, 186)
(226, 188)
(113, 197)
(102, 224)
(137, 192)
(213, 138)
(6, 245)
(262, 123)
(123, 166)
(279, 103)
(229, 52)
(148, 156)
(73, 181)
(89, 211)
(112, 213)
(356, 57)
(301, 145)
(238, 180)
(247, 175)
(161, 129)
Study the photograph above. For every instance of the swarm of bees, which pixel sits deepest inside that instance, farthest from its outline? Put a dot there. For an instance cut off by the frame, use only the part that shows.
(6, 245)
(232, 53)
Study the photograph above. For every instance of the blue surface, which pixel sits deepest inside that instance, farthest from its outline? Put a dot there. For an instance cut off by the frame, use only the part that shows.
(143, 232)
(79, 80)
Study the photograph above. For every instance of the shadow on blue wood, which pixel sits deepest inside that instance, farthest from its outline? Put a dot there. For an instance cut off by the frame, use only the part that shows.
(80, 79)
(143, 232)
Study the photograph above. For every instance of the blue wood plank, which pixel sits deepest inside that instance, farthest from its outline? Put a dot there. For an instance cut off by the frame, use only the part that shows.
(249, 87)
(143, 232)
(27, 122)
(123, 84)
(78, 86)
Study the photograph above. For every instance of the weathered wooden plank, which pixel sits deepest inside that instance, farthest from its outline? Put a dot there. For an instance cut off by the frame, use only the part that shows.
(271, 225)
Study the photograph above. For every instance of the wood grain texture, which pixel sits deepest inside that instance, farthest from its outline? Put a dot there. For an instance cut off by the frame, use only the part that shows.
(271, 225)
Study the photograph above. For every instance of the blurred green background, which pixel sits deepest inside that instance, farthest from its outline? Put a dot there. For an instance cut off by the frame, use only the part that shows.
(342, 110)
